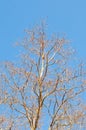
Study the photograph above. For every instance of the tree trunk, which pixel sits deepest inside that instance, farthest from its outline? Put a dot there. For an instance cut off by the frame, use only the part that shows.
(33, 128)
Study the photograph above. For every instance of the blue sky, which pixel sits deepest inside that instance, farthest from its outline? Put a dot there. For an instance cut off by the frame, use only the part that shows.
(63, 16)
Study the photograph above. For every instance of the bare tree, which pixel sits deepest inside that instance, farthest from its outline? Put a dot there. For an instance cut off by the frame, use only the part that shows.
(44, 88)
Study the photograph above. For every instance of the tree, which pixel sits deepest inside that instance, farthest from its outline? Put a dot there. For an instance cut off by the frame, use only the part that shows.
(44, 87)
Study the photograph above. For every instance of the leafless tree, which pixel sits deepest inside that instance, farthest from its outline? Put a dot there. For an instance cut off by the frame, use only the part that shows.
(44, 89)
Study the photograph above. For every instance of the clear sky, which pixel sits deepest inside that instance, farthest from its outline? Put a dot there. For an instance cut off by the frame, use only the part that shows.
(63, 16)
